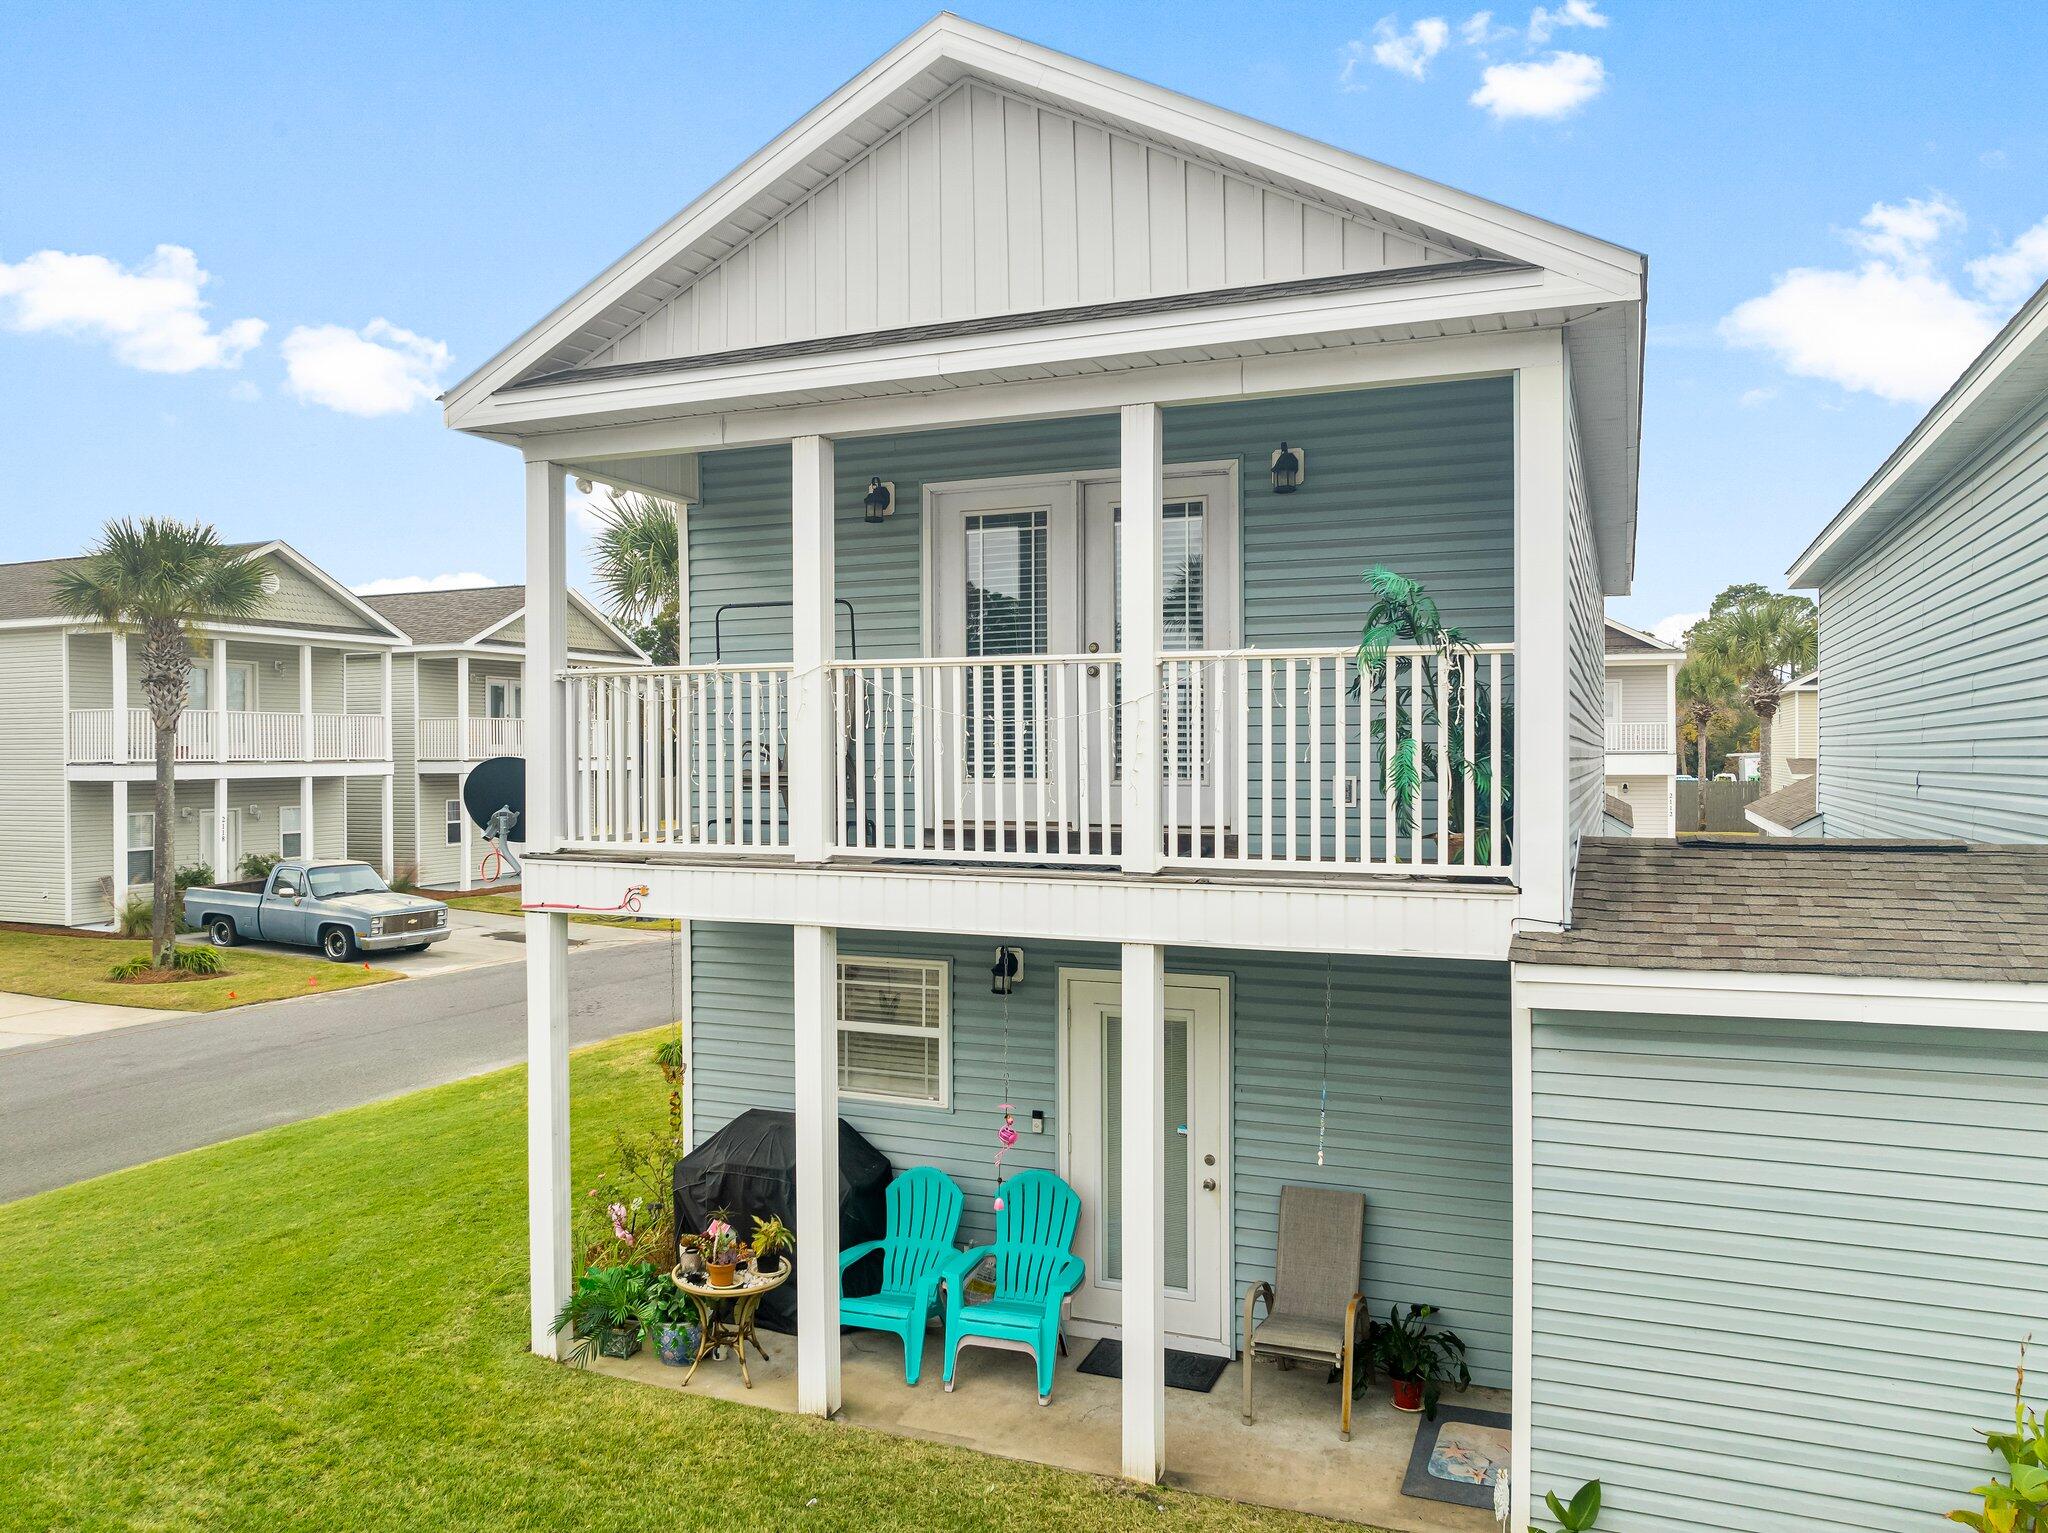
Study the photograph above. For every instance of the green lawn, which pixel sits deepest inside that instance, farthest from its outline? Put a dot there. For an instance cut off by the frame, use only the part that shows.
(505, 902)
(71, 967)
(323, 1326)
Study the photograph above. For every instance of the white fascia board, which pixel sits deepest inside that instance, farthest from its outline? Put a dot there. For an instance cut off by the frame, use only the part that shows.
(1637, 633)
(325, 637)
(1643, 658)
(2001, 1005)
(1387, 363)
(1461, 923)
(583, 604)
(1615, 272)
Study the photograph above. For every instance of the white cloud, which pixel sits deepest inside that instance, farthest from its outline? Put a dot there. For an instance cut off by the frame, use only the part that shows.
(1905, 233)
(1352, 55)
(2010, 275)
(379, 370)
(1672, 629)
(1478, 30)
(1573, 13)
(1548, 88)
(244, 391)
(1751, 398)
(1409, 52)
(392, 585)
(152, 315)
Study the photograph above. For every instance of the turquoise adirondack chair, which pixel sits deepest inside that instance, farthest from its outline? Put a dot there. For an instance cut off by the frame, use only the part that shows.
(924, 1221)
(1035, 1271)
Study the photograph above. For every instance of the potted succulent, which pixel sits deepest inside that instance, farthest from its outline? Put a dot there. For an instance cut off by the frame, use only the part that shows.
(671, 1319)
(1418, 1361)
(605, 1312)
(721, 1249)
(771, 1238)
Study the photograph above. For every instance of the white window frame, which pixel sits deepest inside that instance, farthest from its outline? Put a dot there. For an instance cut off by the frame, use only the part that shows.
(928, 970)
(289, 826)
(146, 847)
(507, 690)
(451, 817)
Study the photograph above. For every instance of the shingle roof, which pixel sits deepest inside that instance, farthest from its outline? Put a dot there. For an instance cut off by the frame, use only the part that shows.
(1623, 640)
(1790, 806)
(1913, 910)
(26, 591)
(449, 617)
(1620, 809)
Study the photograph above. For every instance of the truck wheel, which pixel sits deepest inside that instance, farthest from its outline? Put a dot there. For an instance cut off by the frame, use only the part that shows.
(220, 931)
(338, 943)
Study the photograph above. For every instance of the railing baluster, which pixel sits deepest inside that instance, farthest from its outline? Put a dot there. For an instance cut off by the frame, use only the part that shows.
(1315, 760)
(1471, 827)
(1415, 732)
(1497, 830)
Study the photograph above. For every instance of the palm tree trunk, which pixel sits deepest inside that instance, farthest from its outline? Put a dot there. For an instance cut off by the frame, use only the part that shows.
(1702, 795)
(162, 918)
(1764, 716)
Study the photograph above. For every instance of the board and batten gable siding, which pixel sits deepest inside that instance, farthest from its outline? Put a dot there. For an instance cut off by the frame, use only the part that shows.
(32, 754)
(986, 203)
(1782, 1269)
(1934, 661)
(1419, 1097)
(1420, 479)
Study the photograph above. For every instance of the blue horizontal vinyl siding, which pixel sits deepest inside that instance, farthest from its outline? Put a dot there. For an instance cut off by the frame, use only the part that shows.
(1418, 478)
(1418, 1115)
(1782, 1269)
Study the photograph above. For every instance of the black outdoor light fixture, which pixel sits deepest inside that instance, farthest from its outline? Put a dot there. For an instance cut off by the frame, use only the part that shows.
(1008, 970)
(879, 501)
(1290, 466)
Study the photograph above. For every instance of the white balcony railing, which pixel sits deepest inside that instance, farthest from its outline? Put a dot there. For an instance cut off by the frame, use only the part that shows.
(1625, 738)
(1271, 759)
(211, 735)
(691, 756)
(443, 739)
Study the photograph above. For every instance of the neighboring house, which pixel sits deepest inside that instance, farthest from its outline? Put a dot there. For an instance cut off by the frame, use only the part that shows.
(1642, 727)
(1793, 808)
(458, 699)
(269, 748)
(1013, 625)
(1934, 614)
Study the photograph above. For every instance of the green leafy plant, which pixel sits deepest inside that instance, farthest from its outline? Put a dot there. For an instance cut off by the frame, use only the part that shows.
(198, 960)
(771, 1238)
(131, 968)
(1405, 1347)
(628, 1213)
(636, 557)
(134, 919)
(1762, 639)
(1581, 1512)
(405, 878)
(1404, 616)
(2018, 1503)
(192, 875)
(605, 1311)
(257, 865)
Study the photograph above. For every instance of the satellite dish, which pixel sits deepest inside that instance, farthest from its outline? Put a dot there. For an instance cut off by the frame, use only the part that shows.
(494, 785)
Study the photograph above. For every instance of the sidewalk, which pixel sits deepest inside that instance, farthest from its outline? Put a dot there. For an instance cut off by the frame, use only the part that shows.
(38, 1019)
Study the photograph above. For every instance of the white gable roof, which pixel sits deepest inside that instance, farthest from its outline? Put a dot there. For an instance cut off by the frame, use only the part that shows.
(792, 244)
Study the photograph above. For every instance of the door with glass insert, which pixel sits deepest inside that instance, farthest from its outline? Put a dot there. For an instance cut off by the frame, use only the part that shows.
(1196, 1185)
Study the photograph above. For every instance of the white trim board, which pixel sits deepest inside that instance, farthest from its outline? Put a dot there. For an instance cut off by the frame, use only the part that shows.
(1999, 1005)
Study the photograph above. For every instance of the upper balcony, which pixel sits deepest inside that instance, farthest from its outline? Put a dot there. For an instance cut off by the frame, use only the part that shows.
(1626, 738)
(460, 742)
(111, 736)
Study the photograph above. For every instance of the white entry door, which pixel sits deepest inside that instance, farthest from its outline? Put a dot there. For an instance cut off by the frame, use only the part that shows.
(1197, 1191)
(210, 849)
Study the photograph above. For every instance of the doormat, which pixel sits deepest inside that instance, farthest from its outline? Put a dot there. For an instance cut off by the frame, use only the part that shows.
(1184, 1370)
(1459, 1457)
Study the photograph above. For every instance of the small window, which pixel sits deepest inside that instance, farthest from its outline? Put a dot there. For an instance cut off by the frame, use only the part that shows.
(141, 848)
(895, 1030)
(290, 843)
(452, 813)
(284, 886)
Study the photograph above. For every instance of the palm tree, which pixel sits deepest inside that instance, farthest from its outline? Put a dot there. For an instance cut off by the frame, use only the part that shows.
(159, 580)
(1704, 692)
(1762, 641)
(637, 559)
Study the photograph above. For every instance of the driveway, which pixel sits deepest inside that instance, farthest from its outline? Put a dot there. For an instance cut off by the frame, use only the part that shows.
(82, 1106)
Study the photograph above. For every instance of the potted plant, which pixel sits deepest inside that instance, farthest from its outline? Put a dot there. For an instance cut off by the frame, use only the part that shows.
(605, 1312)
(721, 1249)
(1418, 1361)
(771, 1238)
(671, 1319)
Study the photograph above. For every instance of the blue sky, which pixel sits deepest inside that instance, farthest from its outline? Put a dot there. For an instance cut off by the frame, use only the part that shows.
(1838, 201)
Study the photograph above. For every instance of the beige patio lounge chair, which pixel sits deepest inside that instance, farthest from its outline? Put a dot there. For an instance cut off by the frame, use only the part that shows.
(1318, 1314)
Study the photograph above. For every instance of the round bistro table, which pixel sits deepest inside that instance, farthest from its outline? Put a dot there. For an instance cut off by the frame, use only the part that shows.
(736, 1330)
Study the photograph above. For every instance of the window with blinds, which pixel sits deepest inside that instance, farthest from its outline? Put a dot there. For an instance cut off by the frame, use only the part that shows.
(1184, 625)
(895, 1030)
(1006, 615)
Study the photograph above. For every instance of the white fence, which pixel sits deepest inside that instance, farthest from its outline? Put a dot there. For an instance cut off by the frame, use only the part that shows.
(442, 739)
(212, 735)
(1624, 737)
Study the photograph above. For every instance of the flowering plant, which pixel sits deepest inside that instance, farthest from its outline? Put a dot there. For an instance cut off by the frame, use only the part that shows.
(720, 1242)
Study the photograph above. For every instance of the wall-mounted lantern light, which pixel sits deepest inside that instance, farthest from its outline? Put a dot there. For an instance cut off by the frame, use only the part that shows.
(1290, 468)
(879, 501)
(1008, 971)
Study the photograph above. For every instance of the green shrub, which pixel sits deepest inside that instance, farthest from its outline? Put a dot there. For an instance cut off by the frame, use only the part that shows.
(131, 968)
(198, 960)
(257, 865)
(405, 878)
(193, 874)
(133, 920)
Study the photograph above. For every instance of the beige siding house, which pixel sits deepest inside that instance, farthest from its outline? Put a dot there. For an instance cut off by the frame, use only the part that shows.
(272, 741)
(1641, 713)
(458, 699)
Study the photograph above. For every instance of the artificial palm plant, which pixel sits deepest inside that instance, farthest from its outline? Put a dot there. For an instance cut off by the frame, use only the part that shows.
(1763, 641)
(637, 559)
(160, 580)
(1404, 615)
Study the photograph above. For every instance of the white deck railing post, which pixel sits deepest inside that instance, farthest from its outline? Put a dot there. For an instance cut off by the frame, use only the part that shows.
(816, 969)
(813, 761)
(1542, 828)
(120, 711)
(463, 752)
(1138, 603)
(1144, 1208)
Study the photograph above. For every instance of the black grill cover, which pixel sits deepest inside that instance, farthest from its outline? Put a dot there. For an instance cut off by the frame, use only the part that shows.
(749, 1169)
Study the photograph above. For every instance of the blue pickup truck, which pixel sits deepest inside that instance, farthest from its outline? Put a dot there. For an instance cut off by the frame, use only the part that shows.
(341, 908)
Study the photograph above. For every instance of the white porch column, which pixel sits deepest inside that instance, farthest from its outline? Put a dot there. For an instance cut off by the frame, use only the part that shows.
(1542, 828)
(384, 700)
(462, 750)
(219, 702)
(1144, 1198)
(817, 1171)
(387, 849)
(468, 877)
(306, 710)
(1522, 1304)
(813, 762)
(547, 626)
(120, 707)
(120, 787)
(306, 846)
(1138, 602)
(547, 1123)
(219, 855)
